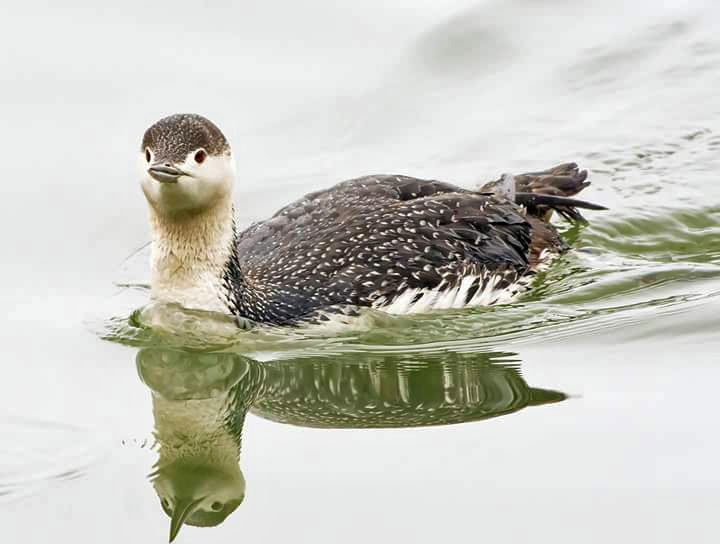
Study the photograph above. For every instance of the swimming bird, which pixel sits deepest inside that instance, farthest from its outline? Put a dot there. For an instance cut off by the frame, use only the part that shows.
(389, 242)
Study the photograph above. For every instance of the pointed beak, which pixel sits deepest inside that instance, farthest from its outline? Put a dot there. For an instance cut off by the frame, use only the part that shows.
(183, 508)
(165, 174)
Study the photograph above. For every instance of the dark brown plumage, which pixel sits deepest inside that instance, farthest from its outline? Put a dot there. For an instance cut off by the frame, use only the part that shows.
(367, 241)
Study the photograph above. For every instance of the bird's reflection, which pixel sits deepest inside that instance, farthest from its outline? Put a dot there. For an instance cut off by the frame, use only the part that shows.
(200, 401)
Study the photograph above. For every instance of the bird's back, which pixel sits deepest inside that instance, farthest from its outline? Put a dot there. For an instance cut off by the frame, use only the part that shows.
(396, 243)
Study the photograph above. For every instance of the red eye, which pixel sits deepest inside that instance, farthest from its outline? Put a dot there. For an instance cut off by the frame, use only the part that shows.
(147, 155)
(200, 156)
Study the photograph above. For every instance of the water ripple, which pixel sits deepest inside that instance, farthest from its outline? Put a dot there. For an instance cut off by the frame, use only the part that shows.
(39, 454)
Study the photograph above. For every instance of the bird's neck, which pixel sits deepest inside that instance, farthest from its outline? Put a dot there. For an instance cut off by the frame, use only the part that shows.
(189, 256)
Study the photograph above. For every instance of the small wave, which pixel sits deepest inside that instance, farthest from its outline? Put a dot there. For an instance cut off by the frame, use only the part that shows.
(38, 454)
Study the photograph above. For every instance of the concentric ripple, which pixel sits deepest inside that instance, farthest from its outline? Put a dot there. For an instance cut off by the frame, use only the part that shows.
(38, 454)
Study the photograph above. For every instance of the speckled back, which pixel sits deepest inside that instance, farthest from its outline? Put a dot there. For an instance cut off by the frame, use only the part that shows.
(368, 240)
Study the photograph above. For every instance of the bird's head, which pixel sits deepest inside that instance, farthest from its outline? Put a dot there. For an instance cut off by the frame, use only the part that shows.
(186, 165)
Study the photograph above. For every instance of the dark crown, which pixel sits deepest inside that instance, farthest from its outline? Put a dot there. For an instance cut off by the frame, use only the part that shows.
(173, 137)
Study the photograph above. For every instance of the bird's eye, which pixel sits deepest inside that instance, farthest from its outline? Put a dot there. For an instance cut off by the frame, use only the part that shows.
(200, 156)
(147, 155)
(165, 503)
(216, 506)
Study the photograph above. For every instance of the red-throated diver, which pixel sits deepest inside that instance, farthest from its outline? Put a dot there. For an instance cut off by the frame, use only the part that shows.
(390, 242)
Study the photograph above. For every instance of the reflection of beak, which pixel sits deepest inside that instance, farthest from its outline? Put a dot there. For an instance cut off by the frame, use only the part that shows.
(182, 509)
(165, 174)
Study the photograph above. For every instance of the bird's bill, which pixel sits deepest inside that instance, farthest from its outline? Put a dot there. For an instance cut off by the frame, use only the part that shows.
(182, 509)
(165, 174)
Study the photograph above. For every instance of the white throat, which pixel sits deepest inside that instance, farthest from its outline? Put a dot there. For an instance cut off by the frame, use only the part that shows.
(189, 255)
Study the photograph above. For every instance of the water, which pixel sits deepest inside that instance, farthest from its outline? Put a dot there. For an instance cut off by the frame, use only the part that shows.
(582, 413)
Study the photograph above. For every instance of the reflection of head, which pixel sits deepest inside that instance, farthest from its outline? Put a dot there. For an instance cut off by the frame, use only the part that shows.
(199, 404)
(198, 494)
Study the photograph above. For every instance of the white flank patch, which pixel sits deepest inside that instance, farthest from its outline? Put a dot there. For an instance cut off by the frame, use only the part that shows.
(439, 298)
(445, 297)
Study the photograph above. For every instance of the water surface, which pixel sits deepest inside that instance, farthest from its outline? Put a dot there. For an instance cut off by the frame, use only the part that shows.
(584, 412)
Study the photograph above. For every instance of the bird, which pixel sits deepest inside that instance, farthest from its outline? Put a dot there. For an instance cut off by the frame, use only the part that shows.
(392, 243)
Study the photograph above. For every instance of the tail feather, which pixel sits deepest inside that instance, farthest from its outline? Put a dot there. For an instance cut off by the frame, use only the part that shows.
(550, 190)
(562, 180)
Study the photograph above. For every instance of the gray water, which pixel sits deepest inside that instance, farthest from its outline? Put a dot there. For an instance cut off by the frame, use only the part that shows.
(594, 415)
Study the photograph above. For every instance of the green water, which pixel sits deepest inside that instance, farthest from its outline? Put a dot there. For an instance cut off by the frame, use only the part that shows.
(583, 412)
